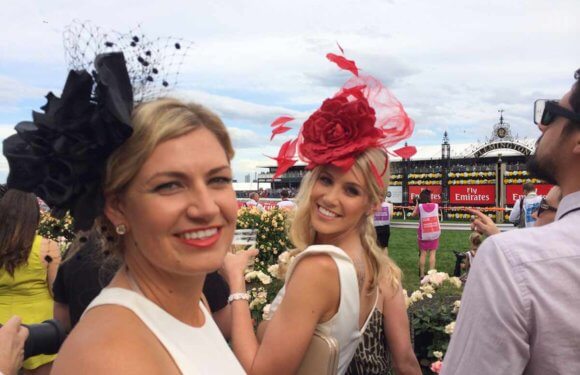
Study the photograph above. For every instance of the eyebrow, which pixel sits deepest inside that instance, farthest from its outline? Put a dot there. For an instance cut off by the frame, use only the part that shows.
(181, 175)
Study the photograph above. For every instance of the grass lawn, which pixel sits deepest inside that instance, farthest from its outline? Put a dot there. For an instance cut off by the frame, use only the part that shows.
(403, 250)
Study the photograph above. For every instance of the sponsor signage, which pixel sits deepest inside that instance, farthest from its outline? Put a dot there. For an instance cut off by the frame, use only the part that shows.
(472, 194)
(396, 194)
(514, 192)
(416, 190)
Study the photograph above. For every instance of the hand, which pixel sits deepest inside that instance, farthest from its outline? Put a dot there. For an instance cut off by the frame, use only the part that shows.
(483, 223)
(12, 338)
(234, 267)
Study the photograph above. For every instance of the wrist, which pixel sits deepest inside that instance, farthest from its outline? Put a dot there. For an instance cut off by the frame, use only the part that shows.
(239, 296)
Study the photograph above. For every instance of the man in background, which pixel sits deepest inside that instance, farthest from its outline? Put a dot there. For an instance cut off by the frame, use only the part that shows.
(525, 206)
(519, 309)
(254, 201)
(286, 203)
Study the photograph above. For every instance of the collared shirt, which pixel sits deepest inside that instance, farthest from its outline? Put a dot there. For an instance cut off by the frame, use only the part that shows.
(519, 311)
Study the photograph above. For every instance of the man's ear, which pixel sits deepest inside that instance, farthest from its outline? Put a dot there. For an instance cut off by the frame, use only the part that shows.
(114, 210)
(576, 148)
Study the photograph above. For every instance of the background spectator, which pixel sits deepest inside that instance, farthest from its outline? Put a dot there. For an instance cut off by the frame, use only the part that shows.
(28, 266)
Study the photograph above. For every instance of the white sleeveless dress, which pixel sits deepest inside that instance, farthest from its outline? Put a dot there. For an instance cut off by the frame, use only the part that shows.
(194, 350)
(343, 326)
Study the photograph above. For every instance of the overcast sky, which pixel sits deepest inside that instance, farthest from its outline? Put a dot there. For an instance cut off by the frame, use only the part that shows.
(452, 64)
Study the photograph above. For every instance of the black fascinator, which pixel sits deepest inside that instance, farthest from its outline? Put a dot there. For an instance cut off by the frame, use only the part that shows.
(60, 156)
(62, 153)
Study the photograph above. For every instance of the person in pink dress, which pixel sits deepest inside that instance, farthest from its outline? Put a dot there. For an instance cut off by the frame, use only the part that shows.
(428, 231)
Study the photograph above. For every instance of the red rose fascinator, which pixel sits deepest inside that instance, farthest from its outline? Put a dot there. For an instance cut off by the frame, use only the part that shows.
(363, 114)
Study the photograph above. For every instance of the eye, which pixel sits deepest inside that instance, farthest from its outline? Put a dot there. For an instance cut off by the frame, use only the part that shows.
(167, 187)
(325, 180)
(352, 191)
(220, 180)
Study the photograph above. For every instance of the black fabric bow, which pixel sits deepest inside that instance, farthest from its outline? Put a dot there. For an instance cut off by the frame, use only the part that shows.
(61, 155)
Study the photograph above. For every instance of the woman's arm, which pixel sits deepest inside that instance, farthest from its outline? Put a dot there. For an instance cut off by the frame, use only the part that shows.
(290, 331)
(397, 331)
(61, 313)
(416, 211)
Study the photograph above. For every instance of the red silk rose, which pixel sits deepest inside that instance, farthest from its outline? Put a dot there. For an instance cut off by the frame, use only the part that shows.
(341, 129)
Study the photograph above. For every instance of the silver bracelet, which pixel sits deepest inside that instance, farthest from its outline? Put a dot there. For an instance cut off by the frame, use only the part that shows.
(238, 296)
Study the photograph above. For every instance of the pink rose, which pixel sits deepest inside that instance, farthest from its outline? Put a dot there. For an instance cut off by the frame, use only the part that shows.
(436, 366)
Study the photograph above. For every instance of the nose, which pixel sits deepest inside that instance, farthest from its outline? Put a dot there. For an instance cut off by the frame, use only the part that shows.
(330, 196)
(202, 205)
(535, 215)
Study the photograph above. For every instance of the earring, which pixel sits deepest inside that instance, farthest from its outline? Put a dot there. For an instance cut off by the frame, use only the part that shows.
(121, 229)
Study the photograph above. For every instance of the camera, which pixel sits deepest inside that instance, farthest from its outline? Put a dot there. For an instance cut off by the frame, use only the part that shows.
(44, 338)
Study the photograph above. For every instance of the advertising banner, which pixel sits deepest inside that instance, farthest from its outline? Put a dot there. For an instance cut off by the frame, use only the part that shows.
(472, 194)
(435, 192)
(396, 194)
(514, 192)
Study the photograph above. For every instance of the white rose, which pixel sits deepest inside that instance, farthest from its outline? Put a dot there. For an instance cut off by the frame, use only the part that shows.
(455, 281)
(273, 269)
(250, 275)
(449, 328)
(264, 279)
(438, 354)
(266, 312)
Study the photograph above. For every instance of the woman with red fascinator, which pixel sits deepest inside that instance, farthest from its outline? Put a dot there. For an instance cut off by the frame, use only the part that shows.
(340, 282)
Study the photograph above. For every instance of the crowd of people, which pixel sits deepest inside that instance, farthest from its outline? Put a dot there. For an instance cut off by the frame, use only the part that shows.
(139, 292)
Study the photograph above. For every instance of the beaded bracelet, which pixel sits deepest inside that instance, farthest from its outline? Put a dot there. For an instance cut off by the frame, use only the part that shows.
(238, 296)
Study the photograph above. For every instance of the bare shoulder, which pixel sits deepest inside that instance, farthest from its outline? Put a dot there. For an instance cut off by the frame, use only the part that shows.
(315, 268)
(112, 340)
(314, 283)
(48, 243)
(388, 291)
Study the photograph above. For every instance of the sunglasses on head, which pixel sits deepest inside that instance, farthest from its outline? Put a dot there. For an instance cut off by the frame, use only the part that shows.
(544, 206)
(546, 111)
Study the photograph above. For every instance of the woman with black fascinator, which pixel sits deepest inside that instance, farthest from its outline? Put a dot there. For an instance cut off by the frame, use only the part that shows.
(158, 175)
(28, 265)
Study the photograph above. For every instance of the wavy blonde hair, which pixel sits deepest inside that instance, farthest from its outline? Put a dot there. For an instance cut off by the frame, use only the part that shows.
(303, 235)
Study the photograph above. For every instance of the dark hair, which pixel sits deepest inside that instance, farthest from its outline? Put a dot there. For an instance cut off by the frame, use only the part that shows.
(19, 218)
(529, 187)
(571, 126)
(284, 193)
(425, 196)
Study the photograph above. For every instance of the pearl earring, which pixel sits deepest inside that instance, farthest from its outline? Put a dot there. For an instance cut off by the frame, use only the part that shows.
(121, 229)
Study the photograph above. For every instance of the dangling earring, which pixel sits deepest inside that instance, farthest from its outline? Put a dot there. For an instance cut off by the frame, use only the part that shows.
(121, 229)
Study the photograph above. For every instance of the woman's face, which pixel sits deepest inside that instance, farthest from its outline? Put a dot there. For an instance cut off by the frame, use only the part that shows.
(180, 209)
(338, 203)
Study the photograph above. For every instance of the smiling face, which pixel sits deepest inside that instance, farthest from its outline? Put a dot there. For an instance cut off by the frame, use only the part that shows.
(339, 203)
(180, 209)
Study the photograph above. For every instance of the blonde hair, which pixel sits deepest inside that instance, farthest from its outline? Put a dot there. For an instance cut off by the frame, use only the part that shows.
(303, 235)
(475, 239)
(155, 122)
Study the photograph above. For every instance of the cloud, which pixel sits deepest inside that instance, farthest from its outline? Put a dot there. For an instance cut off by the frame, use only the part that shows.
(239, 109)
(13, 91)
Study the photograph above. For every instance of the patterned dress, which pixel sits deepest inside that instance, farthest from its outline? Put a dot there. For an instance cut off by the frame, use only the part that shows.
(372, 356)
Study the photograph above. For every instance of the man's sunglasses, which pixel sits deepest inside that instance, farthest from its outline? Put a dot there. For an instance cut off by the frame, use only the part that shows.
(546, 111)
(544, 206)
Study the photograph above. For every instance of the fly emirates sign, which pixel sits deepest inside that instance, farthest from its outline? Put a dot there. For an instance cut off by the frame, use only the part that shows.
(472, 194)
